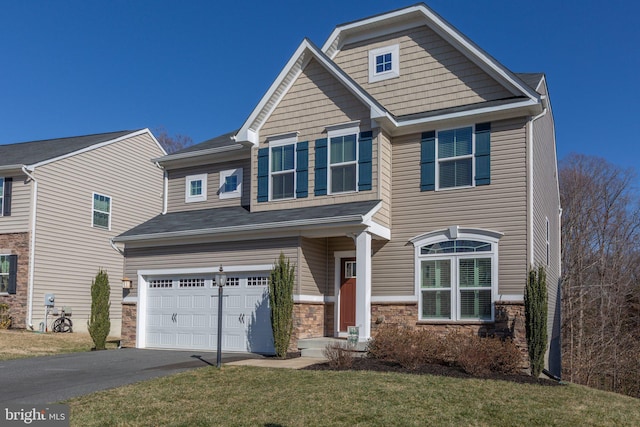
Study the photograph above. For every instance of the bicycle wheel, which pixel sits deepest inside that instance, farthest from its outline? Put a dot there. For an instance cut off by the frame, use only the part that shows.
(62, 324)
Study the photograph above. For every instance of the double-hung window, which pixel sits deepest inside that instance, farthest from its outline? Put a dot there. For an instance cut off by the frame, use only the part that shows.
(4, 273)
(343, 160)
(455, 157)
(101, 211)
(1, 195)
(283, 169)
(196, 188)
(456, 279)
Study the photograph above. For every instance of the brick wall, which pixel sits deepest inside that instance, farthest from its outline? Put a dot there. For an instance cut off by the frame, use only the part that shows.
(17, 244)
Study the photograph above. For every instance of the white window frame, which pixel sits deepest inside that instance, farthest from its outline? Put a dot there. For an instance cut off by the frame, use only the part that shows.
(188, 198)
(93, 210)
(223, 177)
(336, 132)
(375, 76)
(449, 159)
(7, 275)
(1, 196)
(443, 236)
(547, 245)
(280, 141)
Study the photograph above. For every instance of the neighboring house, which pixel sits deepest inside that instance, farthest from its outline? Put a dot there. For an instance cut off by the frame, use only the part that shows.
(409, 177)
(61, 201)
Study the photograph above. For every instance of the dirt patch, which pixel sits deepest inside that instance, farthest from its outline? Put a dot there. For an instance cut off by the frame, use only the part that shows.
(368, 364)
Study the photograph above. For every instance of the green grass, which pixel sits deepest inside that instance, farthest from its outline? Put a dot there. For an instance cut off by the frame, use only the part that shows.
(18, 344)
(250, 396)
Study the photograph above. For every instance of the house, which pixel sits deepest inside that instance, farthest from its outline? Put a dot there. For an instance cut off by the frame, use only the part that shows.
(61, 201)
(408, 175)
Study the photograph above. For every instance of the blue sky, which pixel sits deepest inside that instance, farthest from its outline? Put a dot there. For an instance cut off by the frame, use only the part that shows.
(198, 68)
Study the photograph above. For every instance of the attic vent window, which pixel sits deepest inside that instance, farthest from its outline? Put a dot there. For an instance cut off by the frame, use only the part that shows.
(384, 63)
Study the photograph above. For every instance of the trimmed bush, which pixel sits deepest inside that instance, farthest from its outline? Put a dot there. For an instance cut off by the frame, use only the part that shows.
(281, 283)
(99, 324)
(5, 318)
(535, 311)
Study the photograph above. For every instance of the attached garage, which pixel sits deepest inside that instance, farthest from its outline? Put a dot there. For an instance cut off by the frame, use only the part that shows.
(179, 310)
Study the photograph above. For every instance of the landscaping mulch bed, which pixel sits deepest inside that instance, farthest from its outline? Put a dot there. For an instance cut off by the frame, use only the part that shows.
(369, 364)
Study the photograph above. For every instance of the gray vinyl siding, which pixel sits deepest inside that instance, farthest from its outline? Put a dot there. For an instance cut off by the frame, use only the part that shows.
(433, 74)
(241, 253)
(500, 206)
(20, 219)
(316, 100)
(68, 250)
(177, 186)
(383, 216)
(546, 204)
(313, 266)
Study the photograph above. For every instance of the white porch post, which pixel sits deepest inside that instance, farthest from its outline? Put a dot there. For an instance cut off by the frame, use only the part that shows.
(363, 285)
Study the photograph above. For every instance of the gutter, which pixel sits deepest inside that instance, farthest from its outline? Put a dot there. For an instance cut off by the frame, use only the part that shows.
(198, 153)
(32, 245)
(350, 219)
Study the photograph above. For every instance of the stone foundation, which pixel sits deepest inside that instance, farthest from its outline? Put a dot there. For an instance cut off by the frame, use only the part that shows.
(129, 319)
(509, 323)
(311, 320)
(17, 244)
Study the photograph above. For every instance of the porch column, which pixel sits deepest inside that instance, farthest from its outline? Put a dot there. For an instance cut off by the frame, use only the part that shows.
(363, 285)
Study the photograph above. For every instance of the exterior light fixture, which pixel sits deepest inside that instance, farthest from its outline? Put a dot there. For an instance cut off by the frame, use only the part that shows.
(221, 280)
(126, 283)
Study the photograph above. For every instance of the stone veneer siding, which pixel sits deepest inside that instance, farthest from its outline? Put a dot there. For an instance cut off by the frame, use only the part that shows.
(17, 244)
(129, 317)
(509, 323)
(311, 320)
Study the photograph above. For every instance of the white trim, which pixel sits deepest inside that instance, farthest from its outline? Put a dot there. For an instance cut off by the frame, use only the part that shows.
(394, 72)
(313, 298)
(407, 299)
(510, 298)
(2, 187)
(462, 233)
(363, 285)
(95, 146)
(283, 139)
(199, 153)
(224, 174)
(188, 198)
(32, 245)
(93, 210)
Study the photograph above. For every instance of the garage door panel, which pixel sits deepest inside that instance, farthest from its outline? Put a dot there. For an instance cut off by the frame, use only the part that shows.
(185, 301)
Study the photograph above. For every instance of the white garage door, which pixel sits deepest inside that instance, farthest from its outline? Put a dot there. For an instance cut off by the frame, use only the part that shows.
(182, 313)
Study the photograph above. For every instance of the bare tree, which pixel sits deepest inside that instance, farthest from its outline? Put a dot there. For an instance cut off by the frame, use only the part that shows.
(600, 292)
(172, 143)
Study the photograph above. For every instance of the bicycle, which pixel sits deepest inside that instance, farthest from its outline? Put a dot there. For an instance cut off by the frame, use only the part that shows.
(62, 323)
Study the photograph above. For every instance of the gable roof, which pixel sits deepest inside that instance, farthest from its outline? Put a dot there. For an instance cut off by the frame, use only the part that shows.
(249, 132)
(525, 98)
(34, 153)
(417, 15)
(236, 219)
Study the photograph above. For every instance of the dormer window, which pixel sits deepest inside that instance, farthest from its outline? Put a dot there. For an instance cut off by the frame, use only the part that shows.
(384, 63)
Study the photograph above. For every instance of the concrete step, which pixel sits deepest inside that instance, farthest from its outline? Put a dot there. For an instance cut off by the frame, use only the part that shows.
(322, 342)
(316, 353)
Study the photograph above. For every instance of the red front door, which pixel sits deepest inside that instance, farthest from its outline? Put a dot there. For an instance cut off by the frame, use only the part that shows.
(347, 293)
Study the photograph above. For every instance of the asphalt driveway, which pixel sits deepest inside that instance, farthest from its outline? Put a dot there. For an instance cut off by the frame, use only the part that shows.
(54, 378)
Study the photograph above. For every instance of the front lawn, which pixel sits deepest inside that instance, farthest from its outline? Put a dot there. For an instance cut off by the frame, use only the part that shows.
(17, 344)
(250, 396)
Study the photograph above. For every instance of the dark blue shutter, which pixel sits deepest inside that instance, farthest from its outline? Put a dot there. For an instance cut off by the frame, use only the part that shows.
(428, 161)
(302, 169)
(321, 167)
(263, 175)
(6, 200)
(365, 160)
(13, 273)
(483, 154)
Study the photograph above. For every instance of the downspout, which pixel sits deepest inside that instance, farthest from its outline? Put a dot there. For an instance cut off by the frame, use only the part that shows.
(530, 179)
(115, 248)
(32, 247)
(165, 187)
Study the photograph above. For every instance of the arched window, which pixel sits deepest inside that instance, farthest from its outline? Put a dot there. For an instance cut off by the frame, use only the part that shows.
(457, 274)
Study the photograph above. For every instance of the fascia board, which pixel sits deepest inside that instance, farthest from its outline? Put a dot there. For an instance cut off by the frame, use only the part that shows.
(444, 30)
(280, 84)
(11, 168)
(90, 148)
(199, 153)
(254, 228)
(287, 77)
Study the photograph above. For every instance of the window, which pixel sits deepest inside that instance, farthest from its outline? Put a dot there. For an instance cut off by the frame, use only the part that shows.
(283, 171)
(101, 211)
(1, 195)
(547, 240)
(4, 273)
(384, 63)
(230, 183)
(196, 188)
(343, 160)
(455, 158)
(457, 278)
